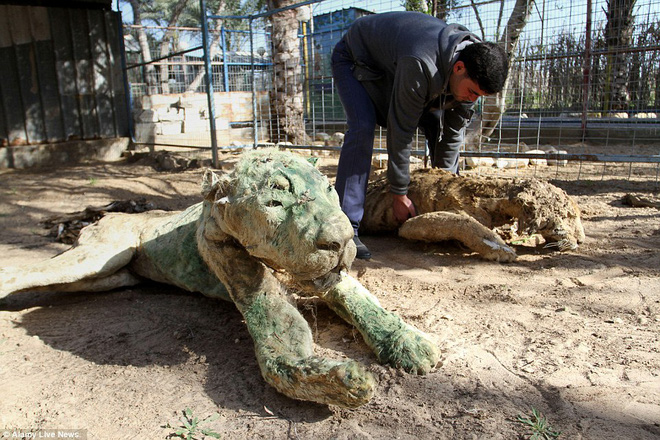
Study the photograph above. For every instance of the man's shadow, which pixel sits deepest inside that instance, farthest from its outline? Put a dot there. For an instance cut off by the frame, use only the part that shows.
(156, 324)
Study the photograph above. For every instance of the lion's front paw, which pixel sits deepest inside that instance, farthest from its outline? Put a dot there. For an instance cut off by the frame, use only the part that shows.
(410, 349)
(343, 383)
(497, 251)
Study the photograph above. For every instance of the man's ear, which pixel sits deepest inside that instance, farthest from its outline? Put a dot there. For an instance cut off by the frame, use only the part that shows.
(459, 67)
(212, 184)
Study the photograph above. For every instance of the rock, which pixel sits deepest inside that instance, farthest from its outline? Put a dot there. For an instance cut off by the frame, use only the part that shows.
(379, 160)
(542, 162)
(511, 163)
(322, 137)
(559, 162)
(338, 138)
(473, 162)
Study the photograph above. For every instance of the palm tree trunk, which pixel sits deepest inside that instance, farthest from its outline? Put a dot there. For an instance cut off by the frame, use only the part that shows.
(618, 34)
(150, 77)
(165, 45)
(287, 96)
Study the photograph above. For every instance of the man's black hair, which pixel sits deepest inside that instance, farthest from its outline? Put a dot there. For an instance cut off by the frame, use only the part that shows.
(486, 63)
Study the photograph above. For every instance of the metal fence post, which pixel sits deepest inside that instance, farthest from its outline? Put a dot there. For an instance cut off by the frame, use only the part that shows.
(255, 135)
(128, 93)
(209, 83)
(225, 68)
(586, 77)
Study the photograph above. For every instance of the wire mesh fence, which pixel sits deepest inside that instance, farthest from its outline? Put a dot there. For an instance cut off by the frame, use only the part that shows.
(584, 81)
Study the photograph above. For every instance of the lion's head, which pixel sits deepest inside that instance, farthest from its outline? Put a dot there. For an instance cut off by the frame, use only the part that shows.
(284, 212)
(563, 232)
(550, 212)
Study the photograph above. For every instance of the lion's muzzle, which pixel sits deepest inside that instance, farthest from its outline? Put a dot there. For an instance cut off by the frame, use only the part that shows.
(333, 251)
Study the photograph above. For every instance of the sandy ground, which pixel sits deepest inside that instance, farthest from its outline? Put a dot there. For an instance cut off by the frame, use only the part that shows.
(574, 335)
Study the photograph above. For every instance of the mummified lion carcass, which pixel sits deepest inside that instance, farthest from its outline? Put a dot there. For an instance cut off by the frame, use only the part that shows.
(467, 209)
(275, 219)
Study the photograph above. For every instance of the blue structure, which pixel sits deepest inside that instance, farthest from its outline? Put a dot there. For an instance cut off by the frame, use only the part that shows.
(327, 30)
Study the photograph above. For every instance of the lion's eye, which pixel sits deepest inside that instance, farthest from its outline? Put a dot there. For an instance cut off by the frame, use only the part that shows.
(274, 203)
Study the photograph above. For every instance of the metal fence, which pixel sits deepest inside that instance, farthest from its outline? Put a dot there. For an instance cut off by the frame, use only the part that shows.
(584, 81)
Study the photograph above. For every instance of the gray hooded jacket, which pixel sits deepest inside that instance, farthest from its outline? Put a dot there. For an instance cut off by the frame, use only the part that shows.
(404, 60)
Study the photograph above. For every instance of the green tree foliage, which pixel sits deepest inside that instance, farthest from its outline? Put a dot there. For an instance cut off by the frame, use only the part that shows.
(436, 8)
(159, 28)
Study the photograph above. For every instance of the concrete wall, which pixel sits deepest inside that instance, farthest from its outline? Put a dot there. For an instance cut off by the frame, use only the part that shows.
(184, 118)
(62, 153)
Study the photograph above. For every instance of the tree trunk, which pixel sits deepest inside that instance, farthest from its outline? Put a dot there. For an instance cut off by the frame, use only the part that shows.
(213, 49)
(149, 69)
(493, 106)
(440, 8)
(165, 45)
(618, 35)
(416, 5)
(478, 17)
(287, 96)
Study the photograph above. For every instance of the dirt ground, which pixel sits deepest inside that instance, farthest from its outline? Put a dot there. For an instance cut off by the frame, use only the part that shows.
(574, 335)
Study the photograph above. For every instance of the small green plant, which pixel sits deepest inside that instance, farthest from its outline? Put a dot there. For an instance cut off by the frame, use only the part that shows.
(93, 181)
(523, 240)
(539, 426)
(191, 427)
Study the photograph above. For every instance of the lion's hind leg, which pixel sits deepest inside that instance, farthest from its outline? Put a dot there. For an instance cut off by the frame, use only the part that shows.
(96, 263)
(393, 341)
(441, 225)
(78, 269)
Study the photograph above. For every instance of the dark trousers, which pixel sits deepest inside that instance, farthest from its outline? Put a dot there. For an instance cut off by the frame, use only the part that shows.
(355, 158)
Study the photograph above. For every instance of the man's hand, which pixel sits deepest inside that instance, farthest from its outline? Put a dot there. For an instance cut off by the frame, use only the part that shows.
(403, 207)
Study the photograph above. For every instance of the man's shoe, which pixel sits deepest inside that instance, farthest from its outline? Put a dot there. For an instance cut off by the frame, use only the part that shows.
(362, 250)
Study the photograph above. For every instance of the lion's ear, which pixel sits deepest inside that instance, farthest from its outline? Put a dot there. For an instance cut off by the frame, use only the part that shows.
(209, 183)
(212, 183)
